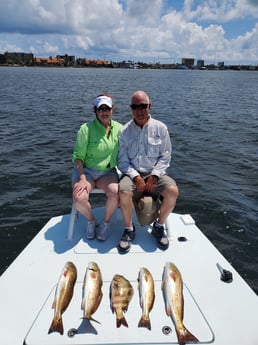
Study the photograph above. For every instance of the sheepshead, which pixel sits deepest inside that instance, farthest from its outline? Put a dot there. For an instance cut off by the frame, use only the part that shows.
(172, 287)
(91, 291)
(147, 296)
(63, 296)
(121, 293)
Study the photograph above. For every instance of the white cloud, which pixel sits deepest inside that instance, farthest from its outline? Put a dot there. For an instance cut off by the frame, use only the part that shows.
(44, 13)
(139, 29)
(50, 48)
(223, 10)
(246, 45)
(83, 43)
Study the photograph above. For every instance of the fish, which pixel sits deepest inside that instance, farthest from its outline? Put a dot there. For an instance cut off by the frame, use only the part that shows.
(121, 293)
(91, 291)
(147, 296)
(63, 296)
(172, 287)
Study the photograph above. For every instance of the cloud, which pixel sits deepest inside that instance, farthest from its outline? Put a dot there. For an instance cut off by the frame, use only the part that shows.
(219, 10)
(144, 12)
(125, 29)
(50, 48)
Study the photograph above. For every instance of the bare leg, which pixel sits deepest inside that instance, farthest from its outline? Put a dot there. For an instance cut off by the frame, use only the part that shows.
(170, 195)
(81, 200)
(126, 205)
(109, 184)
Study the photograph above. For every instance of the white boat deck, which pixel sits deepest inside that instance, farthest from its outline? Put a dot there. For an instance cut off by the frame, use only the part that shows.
(215, 312)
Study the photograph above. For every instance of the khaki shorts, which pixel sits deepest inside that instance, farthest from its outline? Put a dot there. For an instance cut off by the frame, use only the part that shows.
(126, 183)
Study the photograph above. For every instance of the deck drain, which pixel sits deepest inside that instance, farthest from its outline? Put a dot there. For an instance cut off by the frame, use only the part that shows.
(166, 330)
(182, 239)
(71, 333)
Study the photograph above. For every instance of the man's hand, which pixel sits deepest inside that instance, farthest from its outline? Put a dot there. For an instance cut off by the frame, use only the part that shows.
(139, 184)
(151, 184)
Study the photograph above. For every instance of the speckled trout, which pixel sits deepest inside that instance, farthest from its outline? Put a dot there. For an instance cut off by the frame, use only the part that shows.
(91, 291)
(121, 293)
(147, 296)
(63, 296)
(172, 287)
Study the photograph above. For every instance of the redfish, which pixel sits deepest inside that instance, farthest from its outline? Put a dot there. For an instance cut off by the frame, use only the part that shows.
(92, 293)
(63, 296)
(147, 296)
(172, 286)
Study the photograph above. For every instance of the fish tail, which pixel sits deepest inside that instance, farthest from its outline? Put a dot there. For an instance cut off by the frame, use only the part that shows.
(144, 322)
(121, 321)
(184, 336)
(56, 326)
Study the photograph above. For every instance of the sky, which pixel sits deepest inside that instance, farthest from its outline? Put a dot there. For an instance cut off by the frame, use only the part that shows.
(152, 31)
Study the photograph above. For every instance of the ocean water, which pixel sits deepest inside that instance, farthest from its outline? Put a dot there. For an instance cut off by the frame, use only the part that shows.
(212, 118)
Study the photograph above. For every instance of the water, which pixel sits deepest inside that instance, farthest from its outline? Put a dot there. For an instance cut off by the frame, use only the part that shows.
(212, 118)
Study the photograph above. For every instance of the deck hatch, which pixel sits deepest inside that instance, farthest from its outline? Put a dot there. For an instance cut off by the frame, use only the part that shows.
(106, 332)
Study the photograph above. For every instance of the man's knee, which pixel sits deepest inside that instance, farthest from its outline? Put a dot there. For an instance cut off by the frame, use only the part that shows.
(124, 192)
(125, 195)
(170, 192)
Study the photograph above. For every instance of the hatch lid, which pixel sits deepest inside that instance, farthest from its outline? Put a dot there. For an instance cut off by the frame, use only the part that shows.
(90, 332)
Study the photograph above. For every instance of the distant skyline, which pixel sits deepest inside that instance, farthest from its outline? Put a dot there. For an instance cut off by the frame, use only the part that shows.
(139, 30)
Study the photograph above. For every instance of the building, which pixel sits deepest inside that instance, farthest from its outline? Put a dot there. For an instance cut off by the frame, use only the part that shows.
(49, 61)
(200, 64)
(19, 58)
(188, 62)
(69, 60)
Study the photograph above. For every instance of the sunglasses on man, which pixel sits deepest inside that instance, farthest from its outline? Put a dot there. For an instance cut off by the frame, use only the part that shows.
(139, 106)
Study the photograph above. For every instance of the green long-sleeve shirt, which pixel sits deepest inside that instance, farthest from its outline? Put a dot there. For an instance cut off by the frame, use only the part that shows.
(94, 148)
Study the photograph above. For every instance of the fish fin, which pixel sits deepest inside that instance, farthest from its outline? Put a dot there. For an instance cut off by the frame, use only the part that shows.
(54, 304)
(145, 277)
(91, 319)
(56, 325)
(185, 336)
(83, 304)
(173, 276)
(93, 274)
(144, 322)
(168, 310)
(121, 321)
(152, 303)
(99, 300)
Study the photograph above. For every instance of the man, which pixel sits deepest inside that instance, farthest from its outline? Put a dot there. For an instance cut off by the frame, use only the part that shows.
(144, 155)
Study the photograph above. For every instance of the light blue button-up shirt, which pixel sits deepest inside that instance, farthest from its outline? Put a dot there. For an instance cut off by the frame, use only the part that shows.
(144, 150)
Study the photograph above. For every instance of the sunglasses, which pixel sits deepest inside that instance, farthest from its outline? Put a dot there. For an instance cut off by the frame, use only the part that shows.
(139, 106)
(104, 109)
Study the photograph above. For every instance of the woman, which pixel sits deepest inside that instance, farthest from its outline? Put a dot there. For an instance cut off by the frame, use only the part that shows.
(95, 159)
